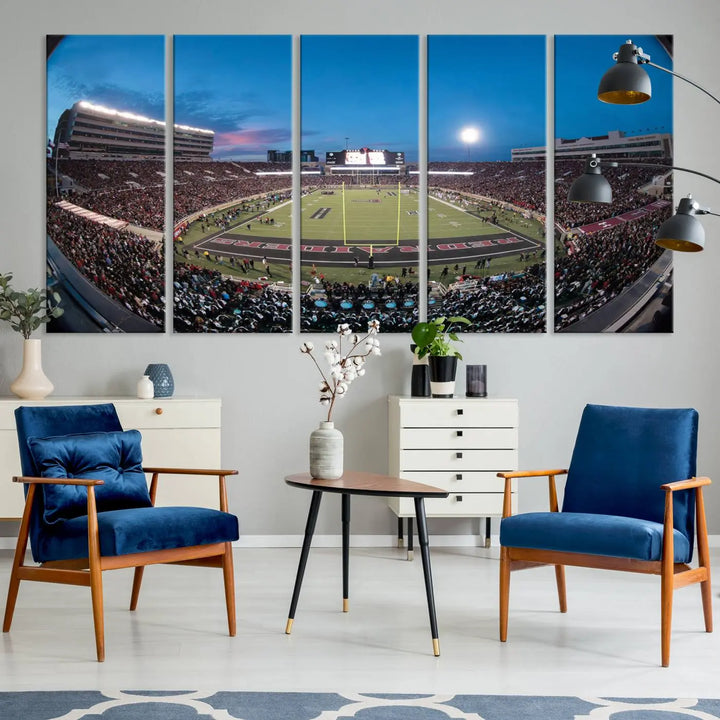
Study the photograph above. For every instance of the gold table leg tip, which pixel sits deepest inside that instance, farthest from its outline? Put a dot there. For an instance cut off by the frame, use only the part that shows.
(288, 627)
(436, 647)
(346, 605)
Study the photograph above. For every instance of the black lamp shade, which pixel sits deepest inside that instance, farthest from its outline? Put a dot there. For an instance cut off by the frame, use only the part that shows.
(590, 187)
(683, 231)
(625, 83)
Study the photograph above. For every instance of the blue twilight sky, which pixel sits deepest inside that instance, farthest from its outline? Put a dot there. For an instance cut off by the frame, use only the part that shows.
(580, 63)
(240, 86)
(123, 72)
(360, 87)
(493, 83)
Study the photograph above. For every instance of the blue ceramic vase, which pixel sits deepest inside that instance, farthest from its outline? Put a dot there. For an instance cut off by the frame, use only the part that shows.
(162, 379)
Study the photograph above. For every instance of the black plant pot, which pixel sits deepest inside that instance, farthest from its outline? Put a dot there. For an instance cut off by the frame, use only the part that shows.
(442, 375)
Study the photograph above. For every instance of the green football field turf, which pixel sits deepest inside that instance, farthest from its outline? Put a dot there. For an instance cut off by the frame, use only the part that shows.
(373, 216)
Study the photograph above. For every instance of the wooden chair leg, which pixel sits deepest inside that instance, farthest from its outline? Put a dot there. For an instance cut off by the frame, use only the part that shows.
(504, 591)
(667, 581)
(96, 588)
(137, 581)
(704, 558)
(229, 579)
(11, 599)
(560, 580)
(18, 560)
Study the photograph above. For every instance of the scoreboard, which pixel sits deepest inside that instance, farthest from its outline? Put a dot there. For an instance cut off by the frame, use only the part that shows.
(365, 157)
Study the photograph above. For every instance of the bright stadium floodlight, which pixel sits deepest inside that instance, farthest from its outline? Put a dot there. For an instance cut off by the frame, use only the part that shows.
(626, 83)
(469, 135)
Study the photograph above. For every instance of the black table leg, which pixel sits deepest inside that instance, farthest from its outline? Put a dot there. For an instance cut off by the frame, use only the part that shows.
(410, 538)
(309, 530)
(346, 549)
(425, 553)
(400, 532)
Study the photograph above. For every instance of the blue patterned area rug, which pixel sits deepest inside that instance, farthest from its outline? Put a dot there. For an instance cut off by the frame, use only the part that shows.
(188, 705)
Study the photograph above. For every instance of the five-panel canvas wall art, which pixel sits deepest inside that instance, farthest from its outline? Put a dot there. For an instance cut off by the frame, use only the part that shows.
(447, 157)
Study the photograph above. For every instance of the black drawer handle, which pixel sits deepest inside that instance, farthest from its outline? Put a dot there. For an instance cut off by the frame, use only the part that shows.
(458, 456)
(460, 411)
(458, 498)
(458, 476)
(459, 433)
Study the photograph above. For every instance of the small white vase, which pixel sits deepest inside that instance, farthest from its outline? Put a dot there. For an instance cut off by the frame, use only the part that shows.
(145, 388)
(31, 383)
(326, 452)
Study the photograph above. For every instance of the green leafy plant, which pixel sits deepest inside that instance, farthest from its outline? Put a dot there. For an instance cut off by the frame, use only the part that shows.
(437, 336)
(26, 311)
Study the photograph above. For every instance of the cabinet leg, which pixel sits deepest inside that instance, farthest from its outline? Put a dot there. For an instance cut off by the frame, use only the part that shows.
(487, 532)
(400, 538)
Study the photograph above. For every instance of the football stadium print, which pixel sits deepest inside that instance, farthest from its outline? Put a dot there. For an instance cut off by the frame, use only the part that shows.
(360, 221)
(360, 207)
(486, 190)
(231, 185)
(610, 276)
(106, 182)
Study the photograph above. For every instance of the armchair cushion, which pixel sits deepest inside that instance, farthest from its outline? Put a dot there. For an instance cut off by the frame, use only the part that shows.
(623, 455)
(137, 530)
(114, 457)
(591, 534)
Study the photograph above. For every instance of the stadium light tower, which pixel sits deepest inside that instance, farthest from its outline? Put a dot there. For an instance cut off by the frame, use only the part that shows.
(627, 83)
(469, 136)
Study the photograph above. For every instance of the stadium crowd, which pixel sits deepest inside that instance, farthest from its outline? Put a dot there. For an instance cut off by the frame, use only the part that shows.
(505, 303)
(205, 301)
(625, 183)
(598, 267)
(519, 183)
(130, 190)
(393, 303)
(199, 186)
(126, 267)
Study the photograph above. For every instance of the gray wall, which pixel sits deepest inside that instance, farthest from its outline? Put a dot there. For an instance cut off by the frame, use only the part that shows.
(268, 389)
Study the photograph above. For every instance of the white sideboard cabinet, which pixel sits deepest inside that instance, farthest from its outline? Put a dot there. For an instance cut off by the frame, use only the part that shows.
(176, 432)
(458, 444)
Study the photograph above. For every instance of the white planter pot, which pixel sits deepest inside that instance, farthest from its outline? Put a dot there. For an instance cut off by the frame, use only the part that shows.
(326, 452)
(31, 383)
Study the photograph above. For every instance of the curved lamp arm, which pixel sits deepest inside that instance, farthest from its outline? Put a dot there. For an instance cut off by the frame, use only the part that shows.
(620, 163)
(677, 75)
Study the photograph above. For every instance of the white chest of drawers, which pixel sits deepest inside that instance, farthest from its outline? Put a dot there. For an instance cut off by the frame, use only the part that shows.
(176, 432)
(458, 444)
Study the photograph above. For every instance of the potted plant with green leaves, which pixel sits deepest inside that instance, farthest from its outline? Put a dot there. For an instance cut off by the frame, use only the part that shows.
(26, 312)
(436, 339)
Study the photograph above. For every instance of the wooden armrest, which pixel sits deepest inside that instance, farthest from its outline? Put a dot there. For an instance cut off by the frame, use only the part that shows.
(686, 484)
(531, 473)
(549, 474)
(57, 481)
(188, 471)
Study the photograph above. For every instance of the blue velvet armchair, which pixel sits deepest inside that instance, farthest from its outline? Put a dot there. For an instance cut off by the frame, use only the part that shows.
(632, 502)
(88, 509)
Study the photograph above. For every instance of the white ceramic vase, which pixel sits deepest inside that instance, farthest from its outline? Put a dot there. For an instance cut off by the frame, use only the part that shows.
(32, 383)
(326, 452)
(145, 388)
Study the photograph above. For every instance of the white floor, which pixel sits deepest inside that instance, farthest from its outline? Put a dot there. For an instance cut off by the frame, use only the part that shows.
(608, 644)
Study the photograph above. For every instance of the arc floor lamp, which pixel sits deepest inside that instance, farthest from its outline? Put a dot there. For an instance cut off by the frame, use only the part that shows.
(627, 83)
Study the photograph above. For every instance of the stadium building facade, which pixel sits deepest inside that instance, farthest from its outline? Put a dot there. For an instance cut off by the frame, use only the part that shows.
(92, 131)
(615, 144)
